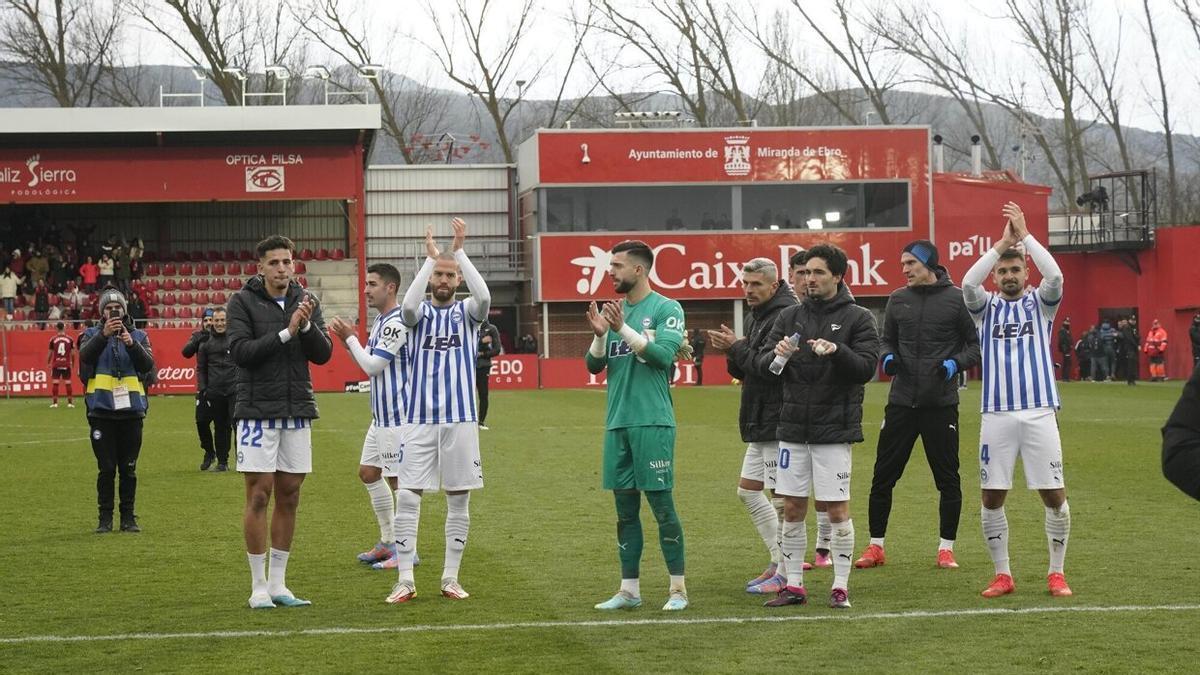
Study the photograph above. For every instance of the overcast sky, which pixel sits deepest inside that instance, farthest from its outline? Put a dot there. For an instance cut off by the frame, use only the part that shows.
(397, 29)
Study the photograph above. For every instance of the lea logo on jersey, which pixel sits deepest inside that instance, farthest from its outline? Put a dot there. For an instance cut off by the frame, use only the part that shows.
(441, 342)
(1012, 331)
(618, 348)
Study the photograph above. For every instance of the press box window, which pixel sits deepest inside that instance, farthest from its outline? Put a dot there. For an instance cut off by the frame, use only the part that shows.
(638, 208)
(825, 206)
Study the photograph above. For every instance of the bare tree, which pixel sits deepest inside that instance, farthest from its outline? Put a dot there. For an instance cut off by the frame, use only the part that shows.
(220, 34)
(1101, 89)
(61, 48)
(412, 112)
(1164, 114)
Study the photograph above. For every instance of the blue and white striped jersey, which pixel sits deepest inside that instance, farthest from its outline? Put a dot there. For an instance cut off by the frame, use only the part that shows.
(389, 340)
(441, 356)
(1018, 365)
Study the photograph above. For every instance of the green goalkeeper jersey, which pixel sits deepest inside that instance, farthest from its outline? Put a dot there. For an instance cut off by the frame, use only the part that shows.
(639, 393)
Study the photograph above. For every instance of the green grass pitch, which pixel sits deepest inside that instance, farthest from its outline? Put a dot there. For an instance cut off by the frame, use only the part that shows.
(542, 552)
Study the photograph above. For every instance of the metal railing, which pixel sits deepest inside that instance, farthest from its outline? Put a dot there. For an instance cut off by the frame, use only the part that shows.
(490, 256)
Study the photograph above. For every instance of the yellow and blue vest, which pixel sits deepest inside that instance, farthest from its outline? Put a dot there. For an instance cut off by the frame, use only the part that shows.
(115, 367)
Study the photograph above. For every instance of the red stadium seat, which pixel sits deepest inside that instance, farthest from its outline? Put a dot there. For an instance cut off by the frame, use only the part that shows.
(306, 254)
(168, 299)
(169, 270)
(233, 284)
(149, 257)
(20, 299)
(169, 284)
(168, 312)
(217, 284)
(186, 284)
(212, 256)
(228, 255)
(303, 281)
(184, 298)
(245, 255)
(249, 269)
(322, 254)
(218, 298)
(201, 297)
(202, 284)
(201, 269)
(301, 268)
(185, 270)
(196, 256)
(152, 312)
(338, 254)
(151, 285)
(152, 270)
(18, 314)
(55, 299)
(217, 269)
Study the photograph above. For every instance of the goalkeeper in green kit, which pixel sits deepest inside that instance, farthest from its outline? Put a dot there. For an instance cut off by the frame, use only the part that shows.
(637, 339)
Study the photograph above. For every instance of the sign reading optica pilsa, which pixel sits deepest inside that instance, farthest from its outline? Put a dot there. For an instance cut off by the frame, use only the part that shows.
(62, 175)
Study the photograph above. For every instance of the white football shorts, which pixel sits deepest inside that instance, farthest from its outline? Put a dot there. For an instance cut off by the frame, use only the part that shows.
(822, 469)
(440, 456)
(760, 463)
(382, 448)
(1030, 434)
(267, 446)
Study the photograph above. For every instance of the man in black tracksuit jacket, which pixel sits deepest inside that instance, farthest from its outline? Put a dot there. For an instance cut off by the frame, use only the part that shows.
(1181, 440)
(275, 331)
(758, 417)
(217, 376)
(489, 348)
(928, 337)
(190, 349)
(821, 416)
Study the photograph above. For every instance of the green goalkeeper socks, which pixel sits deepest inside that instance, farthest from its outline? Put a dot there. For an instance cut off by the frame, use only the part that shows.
(670, 530)
(629, 532)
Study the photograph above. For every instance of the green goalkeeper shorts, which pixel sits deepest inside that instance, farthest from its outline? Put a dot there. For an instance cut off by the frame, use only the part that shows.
(641, 458)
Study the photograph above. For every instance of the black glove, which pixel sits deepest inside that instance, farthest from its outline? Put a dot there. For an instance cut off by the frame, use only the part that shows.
(891, 365)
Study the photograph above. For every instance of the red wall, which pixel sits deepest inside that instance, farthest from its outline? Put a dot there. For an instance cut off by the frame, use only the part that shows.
(1167, 289)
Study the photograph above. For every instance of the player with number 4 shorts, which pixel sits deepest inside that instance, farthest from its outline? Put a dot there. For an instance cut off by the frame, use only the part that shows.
(1020, 395)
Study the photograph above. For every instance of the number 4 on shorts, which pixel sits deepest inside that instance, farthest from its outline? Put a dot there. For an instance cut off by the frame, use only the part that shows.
(983, 453)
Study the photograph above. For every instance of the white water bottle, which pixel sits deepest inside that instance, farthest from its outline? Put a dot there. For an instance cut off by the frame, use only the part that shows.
(777, 365)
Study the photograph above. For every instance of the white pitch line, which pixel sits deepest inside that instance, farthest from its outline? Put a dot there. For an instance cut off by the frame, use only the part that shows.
(43, 440)
(607, 623)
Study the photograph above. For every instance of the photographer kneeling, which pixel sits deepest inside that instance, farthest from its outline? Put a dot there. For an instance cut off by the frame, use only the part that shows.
(113, 359)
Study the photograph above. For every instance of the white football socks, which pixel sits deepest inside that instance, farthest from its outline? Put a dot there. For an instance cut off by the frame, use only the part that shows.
(765, 520)
(258, 572)
(458, 522)
(842, 548)
(277, 574)
(1058, 530)
(384, 507)
(995, 534)
(824, 530)
(945, 544)
(408, 515)
(632, 586)
(794, 539)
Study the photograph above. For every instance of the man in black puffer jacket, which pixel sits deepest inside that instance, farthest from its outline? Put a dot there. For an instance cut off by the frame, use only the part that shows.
(928, 337)
(217, 376)
(758, 418)
(824, 368)
(275, 330)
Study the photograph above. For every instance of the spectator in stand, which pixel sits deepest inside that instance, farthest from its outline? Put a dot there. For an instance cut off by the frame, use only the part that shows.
(1156, 349)
(106, 270)
(698, 345)
(529, 344)
(56, 277)
(135, 265)
(121, 269)
(74, 301)
(137, 311)
(38, 267)
(17, 263)
(41, 303)
(1194, 334)
(90, 272)
(10, 282)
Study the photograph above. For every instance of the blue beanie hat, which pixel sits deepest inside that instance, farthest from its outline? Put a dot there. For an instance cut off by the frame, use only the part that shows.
(925, 251)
